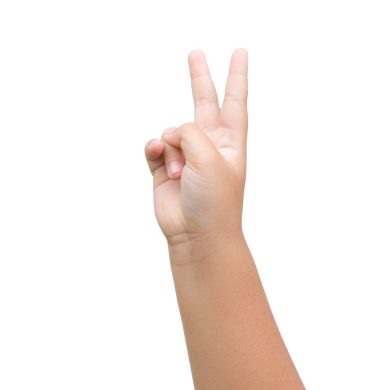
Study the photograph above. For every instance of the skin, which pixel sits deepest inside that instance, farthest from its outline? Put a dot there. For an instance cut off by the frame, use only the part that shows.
(199, 171)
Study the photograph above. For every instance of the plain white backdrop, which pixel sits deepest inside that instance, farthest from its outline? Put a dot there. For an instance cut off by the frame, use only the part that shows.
(86, 295)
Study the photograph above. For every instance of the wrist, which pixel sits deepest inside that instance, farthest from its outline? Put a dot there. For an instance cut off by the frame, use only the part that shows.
(191, 249)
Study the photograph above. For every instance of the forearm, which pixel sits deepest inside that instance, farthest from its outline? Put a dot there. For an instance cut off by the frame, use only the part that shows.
(232, 339)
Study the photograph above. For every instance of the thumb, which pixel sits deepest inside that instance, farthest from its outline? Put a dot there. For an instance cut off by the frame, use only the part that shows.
(197, 147)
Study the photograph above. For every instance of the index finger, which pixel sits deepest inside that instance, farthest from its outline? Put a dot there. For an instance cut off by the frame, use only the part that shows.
(203, 91)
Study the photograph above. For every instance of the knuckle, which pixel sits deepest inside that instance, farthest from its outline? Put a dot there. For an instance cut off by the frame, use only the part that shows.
(203, 101)
(165, 131)
(189, 126)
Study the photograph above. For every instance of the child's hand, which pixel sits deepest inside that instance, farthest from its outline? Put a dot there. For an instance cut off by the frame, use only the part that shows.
(232, 339)
(199, 168)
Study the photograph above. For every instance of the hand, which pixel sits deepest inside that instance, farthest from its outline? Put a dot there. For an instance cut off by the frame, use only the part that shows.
(199, 168)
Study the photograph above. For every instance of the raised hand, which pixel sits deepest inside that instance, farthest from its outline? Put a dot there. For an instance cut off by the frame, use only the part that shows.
(199, 167)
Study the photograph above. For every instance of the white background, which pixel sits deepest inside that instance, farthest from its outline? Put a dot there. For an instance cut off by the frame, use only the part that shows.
(86, 295)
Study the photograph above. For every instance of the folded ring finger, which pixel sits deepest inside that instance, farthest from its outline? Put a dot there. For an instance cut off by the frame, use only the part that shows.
(174, 160)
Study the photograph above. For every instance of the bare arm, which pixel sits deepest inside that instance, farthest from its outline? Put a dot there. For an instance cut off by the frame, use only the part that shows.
(199, 177)
(232, 339)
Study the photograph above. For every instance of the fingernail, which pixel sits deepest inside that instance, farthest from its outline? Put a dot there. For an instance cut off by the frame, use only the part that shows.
(174, 168)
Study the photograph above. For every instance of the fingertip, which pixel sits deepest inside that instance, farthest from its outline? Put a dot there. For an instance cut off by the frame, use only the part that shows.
(154, 149)
(168, 130)
(239, 61)
(154, 143)
(195, 55)
(241, 51)
(171, 139)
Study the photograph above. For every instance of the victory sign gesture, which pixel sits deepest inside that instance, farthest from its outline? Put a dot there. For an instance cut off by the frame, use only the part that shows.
(199, 167)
